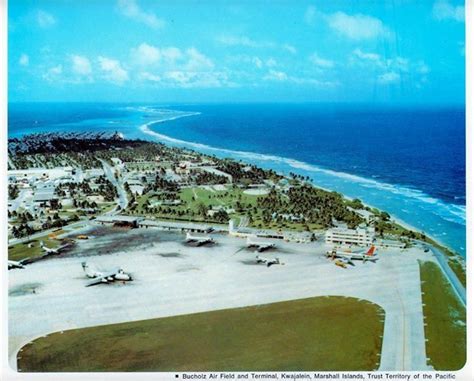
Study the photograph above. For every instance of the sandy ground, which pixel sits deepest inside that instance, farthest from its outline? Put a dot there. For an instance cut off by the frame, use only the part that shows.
(172, 278)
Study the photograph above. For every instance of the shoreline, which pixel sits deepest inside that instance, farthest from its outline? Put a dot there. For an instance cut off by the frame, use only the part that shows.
(146, 129)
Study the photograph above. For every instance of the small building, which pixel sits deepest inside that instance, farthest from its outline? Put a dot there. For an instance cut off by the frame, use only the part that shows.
(391, 243)
(120, 220)
(177, 226)
(344, 236)
(44, 195)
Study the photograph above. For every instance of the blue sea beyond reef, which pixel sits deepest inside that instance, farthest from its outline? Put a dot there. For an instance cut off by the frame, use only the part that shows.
(408, 161)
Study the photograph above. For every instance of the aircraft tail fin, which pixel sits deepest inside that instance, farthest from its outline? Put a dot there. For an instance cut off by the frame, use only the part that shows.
(371, 251)
(88, 269)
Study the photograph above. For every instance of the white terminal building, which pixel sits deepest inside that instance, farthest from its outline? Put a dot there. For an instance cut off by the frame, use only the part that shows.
(344, 236)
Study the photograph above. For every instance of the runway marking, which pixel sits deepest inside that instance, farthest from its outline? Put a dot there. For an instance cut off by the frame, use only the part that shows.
(403, 329)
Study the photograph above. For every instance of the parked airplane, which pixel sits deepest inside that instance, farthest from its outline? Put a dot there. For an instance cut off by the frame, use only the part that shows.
(259, 245)
(17, 264)
(51, 251)
(199, 240)
(369, 255)
(268, 262)
(100, 276)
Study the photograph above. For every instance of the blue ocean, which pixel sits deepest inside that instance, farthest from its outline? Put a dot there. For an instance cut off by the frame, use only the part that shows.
(409, 161)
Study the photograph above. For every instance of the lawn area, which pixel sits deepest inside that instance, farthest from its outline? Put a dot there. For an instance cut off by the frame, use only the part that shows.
(445, 317)
(22, 250)
(308, 334)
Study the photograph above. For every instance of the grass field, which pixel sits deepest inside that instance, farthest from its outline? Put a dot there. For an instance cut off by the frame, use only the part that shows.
(445, 319)
(23, 250)
(322, 333)
(192, 197)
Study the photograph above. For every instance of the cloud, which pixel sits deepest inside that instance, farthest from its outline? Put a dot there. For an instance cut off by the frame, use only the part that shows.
(310, 15)
(81, 65)
(171, 54)
(146, 55)
(149, 55)
(186, 79)
(45, 19)
(24, 60)
(172, 67)
(270, 62)
(289, 48)
(358, 27)
(390, 70)
(244, 41)
(146, 76)
(130, 9)
(258, 62)
(197, 61)
(375, 60)
(366, 56)
(422, 68)
(274, 75)
(113, 70)
(389, 77)
(53, 73)
(228, 40)
(280, 76)
(443, 10)
(321, 62)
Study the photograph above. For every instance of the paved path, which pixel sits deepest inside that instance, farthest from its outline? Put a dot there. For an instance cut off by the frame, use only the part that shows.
(211, 278)
(43, 233)
(16, 203)
(122, 194)
(458, 288)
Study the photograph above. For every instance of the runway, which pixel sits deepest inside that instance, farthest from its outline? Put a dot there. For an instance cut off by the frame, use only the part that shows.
(171, 278)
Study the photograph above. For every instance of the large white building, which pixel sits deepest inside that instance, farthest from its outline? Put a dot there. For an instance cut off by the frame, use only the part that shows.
(344, 236)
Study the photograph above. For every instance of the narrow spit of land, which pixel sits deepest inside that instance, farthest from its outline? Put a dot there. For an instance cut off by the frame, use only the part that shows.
(308, 334)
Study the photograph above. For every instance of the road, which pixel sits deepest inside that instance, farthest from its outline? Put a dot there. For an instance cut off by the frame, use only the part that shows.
(43, 233)
(110, 174)
(16, 203)
(458, 288)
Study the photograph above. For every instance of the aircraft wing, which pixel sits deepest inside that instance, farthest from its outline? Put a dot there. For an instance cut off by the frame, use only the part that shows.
(65, 246)
(109, 273)
(96, 281)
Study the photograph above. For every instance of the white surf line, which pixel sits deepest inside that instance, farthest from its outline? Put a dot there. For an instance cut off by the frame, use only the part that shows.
(400, 190)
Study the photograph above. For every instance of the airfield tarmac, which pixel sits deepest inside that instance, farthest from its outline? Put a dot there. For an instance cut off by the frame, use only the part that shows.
(174, 278)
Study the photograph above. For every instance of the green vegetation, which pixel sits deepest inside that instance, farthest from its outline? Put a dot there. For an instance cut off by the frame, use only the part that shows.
(454, 260)
(445, 319)
(23, 250)
(13, 192)
(458, 269)
(310, 334)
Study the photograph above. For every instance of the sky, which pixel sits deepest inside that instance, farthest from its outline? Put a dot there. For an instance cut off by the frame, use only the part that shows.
(397, 51)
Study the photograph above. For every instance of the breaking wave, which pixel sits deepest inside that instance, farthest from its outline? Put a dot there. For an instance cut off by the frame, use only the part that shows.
(450, 212)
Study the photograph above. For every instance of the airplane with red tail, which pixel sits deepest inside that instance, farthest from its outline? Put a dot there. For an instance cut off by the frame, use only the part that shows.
(369, 255)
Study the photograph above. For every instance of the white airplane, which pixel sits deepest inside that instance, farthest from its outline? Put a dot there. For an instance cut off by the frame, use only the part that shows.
(368, 255)
(198, 239)
(100, 276)
(268, 262)
(17, 264)
(259, 245)
(51, 251)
